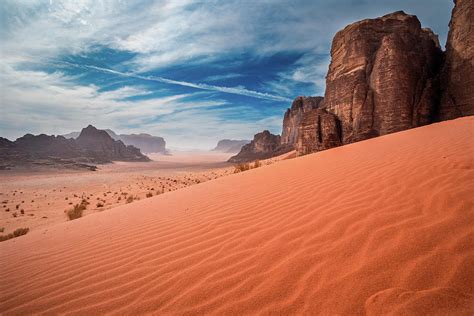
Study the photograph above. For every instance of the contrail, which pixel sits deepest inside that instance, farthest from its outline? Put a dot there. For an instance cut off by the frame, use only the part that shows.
(202, 86)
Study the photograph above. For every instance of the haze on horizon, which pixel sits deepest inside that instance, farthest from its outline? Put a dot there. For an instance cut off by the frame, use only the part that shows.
(192, 72)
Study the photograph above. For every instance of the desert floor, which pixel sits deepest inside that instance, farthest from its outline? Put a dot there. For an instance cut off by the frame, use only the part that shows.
(376, 227)
(44, 196)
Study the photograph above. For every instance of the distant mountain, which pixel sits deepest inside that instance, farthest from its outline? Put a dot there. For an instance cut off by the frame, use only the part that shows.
(92, 146)
(145, 142)
(98, 143)
(230, 145)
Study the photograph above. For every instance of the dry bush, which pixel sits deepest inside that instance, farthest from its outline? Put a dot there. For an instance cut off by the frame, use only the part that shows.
(149, 194)
(76, 211)
(241, 167)
(129, 199)
(100, 204)
(257, 164)
(18, 232)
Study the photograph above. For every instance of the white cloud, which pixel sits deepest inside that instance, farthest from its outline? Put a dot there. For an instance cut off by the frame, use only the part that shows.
(239, 90)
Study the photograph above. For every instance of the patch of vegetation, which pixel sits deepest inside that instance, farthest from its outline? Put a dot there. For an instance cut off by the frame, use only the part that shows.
(17, 233)
(241, 167)
(149, 194)
(129, 199)
(76, 211)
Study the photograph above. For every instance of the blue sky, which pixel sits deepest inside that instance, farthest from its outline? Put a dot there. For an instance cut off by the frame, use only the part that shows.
(193, 72)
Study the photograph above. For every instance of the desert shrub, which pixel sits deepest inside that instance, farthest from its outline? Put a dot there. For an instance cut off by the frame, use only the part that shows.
(257, 164)
(2, 229)
(18, 232)
(100, 204)
(76, 211)
(241, 167)
(130, 199)
(149, 194)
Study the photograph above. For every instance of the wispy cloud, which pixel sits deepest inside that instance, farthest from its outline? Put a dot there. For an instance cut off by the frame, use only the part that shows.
(222, 77)
(201, 86)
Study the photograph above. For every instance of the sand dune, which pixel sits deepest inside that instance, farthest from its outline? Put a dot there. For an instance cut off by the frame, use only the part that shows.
(381, 226)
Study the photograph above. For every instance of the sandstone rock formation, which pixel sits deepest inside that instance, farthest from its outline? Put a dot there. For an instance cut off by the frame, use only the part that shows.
(264, 145)
(145, 142)
(457, 79)
(294, 116)
(93, 146)
(98, 143)
(230, 145)
(382, 76)
(319, 130)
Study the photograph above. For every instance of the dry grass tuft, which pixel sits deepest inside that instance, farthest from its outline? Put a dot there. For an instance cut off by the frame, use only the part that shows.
(17, 233)
(76, 212)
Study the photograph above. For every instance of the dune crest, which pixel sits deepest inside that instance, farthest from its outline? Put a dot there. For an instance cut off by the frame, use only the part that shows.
(379, 226)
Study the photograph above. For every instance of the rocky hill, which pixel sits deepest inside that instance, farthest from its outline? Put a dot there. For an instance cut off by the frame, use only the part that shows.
(145, 142)
(264, 145)
(92, 146)
(98, 143)
(230, 145)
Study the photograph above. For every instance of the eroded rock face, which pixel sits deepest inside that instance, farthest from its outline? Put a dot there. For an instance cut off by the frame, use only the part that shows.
(98, 143)
(319, 130)
(382, 77)
(264, 145)
(145, 142)
(458, 72)
(294, 116)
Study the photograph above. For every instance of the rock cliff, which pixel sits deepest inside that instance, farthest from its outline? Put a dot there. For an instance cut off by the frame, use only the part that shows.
(457, 79)
(382, 76)
(319, 130)
(264, 145)
(294, 115)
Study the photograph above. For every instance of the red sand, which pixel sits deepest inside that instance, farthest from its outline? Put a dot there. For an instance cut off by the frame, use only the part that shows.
(381, 226)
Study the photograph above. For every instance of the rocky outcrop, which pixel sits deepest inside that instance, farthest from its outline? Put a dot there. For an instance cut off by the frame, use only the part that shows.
(98, 143)
(93, 146)
(145, 142)
(230, 145)
(382, 76)
(294, 116)
(319, 130)
(264, 145)
(457, 79)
